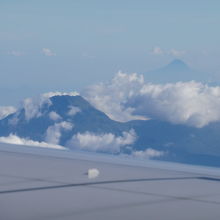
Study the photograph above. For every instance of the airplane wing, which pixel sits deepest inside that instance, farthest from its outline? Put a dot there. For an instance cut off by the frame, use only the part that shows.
(43, 184)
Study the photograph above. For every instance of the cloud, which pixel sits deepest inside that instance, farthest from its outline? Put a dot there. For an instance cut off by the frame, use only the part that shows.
(33, 106)
(157, 51)
(51, 94)
(73, 110)
(6, 110)
(54, 132)
(176, 53)
(106, 142)
(111, 97)
(13, 139)
(48, 52)
(15, 53)
(190, 103)
(54, 116)
(173, 52)
(149, 153)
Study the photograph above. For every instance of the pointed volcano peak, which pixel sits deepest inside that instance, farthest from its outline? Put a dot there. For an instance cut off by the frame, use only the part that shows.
(177, 64)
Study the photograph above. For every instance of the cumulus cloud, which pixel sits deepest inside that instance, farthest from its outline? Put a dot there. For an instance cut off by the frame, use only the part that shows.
(48, 52)
(149, 153)
(73, 110)
(191, 103)
(6, 110)
(54, 116)
(106, 142)
(111, 97)
(13, 139)
(54, 132)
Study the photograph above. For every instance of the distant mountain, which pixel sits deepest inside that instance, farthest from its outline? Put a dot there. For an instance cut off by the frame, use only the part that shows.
(175, 71)
(176, 65)
(73, 110)
(182, 143)
(59, 118)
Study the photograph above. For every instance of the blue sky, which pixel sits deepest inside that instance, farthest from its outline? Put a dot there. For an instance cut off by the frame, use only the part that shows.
(66, 45)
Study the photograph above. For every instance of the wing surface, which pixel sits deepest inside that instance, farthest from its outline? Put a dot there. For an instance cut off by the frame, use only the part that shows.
(47, 184)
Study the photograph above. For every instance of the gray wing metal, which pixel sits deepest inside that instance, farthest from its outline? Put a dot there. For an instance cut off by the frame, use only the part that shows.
(46, 184)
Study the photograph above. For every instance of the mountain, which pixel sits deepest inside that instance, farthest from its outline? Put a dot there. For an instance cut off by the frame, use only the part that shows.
(175, 71)
(180, 143)
(57, 113)
(72, 121)
(176, 66)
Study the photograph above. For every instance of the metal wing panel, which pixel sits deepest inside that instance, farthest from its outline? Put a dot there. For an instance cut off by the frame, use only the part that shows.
(45, 184)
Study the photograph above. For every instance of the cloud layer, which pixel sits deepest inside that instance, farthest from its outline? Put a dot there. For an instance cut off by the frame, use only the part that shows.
(106, 142)
(191, 103)
(13, 139)
(149, 153)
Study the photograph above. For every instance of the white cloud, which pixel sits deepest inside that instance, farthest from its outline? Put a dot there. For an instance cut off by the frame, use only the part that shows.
(53, 132)
(6, 110)
(33, 106)
(148, 153)
(13, 139)
(15, 53)
(106, 142)
(111, 97)
(48, 52)
(73, 110)
(191, 103)
(51, 94)
(173, 52)
(157, 51)
(54, 116)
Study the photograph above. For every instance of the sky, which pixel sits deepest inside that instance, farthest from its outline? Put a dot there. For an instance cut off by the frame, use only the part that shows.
(52, 45)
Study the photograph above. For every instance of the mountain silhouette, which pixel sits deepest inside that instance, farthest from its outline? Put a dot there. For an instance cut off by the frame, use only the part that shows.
(175, 71)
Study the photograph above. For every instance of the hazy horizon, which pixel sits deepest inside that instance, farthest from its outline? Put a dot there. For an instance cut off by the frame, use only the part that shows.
(64, 46)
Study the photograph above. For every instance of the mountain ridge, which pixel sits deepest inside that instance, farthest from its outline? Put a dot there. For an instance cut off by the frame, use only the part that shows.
(67, 120)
